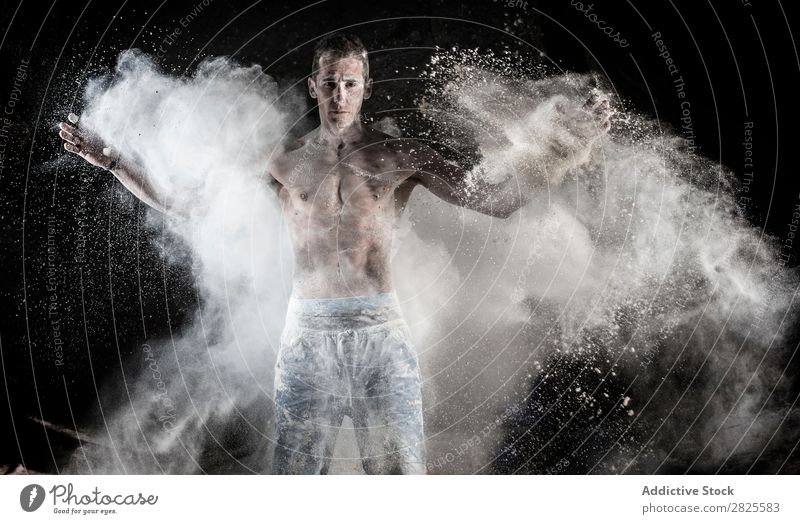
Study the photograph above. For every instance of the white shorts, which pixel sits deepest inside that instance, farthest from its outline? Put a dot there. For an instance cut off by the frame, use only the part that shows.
(348, 356)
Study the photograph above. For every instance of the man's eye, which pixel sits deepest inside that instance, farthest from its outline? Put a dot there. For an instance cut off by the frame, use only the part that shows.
(330, 85)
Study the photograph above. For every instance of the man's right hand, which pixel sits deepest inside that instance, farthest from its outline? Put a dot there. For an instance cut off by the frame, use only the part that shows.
(91, 148)
(87, 146)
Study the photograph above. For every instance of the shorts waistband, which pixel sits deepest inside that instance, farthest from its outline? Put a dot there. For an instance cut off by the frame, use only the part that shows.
(344, 306)
(326, 328)
(345, 313)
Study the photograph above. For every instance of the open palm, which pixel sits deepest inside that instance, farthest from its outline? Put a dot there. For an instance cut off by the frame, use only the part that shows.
(86, 145)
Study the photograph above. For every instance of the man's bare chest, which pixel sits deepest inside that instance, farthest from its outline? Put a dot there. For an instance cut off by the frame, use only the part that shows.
(330, 179)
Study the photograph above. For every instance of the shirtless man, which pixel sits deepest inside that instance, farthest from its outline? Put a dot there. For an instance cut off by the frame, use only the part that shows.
(345, 348)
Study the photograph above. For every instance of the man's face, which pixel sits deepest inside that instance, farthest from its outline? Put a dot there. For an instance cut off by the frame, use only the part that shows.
(339, 88)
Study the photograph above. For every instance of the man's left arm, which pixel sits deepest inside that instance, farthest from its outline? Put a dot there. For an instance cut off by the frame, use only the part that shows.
(454, 185)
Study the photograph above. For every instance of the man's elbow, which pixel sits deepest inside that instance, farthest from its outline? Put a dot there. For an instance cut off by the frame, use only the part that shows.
(501, 212)
(507, 207)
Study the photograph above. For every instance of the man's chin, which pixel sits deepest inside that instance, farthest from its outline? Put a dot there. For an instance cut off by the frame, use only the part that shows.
(342, 122)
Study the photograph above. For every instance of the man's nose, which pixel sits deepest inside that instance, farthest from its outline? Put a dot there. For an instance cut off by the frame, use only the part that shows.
(339, 94)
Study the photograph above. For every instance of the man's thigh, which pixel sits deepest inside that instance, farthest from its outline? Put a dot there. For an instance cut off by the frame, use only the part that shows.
(387, 407)
(309, 404)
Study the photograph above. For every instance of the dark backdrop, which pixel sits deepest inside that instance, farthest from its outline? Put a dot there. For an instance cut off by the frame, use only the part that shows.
(739, 63)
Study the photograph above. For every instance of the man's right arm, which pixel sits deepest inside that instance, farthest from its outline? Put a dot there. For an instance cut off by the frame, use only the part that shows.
(132, 176)
(274, 184)
(276, 164)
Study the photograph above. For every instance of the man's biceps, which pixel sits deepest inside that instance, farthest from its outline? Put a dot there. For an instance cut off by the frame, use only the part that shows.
(272, 180)
(437, 172)
(433, 182)
(442, 189)
(274, 184)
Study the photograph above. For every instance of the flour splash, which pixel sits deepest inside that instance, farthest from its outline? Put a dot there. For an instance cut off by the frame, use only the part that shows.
(206, 138)
(627, 319)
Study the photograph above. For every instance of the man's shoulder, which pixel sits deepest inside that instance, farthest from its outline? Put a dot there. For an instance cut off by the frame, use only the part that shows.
(285, 151)
(293, 144)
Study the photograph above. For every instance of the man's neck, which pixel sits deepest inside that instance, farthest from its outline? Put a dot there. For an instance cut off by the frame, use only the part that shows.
(338, 137)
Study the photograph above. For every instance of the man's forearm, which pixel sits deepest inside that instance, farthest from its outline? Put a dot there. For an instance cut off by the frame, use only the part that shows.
(516, 190)
(501, 199)
(135, 180)
(504, 198)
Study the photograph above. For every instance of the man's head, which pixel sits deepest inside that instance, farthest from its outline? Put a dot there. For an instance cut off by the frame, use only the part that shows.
(340, 78)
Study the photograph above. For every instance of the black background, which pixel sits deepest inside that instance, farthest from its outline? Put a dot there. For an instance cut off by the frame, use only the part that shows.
(739, 64)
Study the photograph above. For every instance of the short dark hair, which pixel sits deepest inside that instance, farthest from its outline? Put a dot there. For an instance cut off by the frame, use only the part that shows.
(340, 46)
